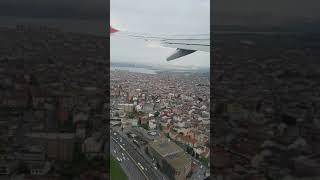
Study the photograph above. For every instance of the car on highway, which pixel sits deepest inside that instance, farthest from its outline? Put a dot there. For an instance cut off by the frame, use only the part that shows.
(140, 166)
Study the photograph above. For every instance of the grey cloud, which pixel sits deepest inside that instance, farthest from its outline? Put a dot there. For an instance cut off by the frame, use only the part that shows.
(166, 16)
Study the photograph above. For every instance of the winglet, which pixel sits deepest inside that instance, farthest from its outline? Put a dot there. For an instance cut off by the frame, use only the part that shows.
(179, 53)
(113, 30)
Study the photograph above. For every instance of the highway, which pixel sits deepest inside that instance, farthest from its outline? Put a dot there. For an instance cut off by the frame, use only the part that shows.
(128, 166)
(201, 168)
(145, 167)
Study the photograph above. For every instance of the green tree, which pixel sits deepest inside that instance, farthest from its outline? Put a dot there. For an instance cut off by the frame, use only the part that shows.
(190, 150)
(156, 114)
(130, 115)
(204, 160)
(145, 126)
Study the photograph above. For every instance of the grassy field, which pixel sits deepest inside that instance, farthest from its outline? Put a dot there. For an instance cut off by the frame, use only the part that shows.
(116, 172)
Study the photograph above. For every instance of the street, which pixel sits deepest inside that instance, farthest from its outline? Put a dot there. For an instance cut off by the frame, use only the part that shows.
(145, 167)
(128, 166)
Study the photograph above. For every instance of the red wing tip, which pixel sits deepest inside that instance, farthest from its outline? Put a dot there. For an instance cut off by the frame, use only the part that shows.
(113, 30)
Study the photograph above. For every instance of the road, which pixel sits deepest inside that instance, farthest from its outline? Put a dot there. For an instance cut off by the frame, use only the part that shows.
(128, 166)
(199, 173)
(201, 168)
(139, 150)
(131, 151)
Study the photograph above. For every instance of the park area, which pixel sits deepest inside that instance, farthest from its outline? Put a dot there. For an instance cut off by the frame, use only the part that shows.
(116, 172)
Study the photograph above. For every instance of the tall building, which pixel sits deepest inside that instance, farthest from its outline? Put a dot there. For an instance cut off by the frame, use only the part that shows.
(171, 158)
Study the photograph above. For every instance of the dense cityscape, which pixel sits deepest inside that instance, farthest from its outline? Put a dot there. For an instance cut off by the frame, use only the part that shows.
(160, 122)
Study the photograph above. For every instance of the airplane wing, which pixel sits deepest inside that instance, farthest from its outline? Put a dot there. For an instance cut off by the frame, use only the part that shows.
(184, 44)
(113, 30)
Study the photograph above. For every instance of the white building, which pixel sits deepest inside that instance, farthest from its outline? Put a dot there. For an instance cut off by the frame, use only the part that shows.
(138, 108)
(152, 124)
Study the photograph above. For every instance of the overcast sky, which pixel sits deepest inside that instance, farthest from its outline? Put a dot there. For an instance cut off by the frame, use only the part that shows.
(157, 17)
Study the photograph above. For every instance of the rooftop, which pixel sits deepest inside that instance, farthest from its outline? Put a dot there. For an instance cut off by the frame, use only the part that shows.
(165, 147)
(179, 160)
(173, 154)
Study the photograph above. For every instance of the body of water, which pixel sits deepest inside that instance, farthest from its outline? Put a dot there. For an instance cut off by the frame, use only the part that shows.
(134, 69)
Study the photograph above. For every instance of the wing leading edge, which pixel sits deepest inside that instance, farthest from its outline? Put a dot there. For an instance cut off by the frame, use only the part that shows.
(184, 45)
